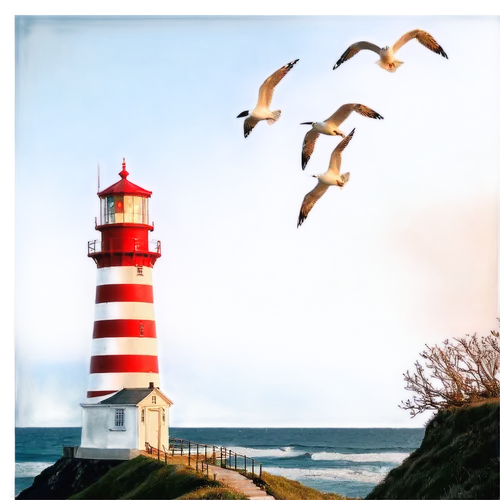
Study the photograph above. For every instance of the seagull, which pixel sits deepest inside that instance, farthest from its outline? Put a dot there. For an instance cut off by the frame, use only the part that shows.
(330, 127)
(331, 177)
(387, 60)
(261, 111)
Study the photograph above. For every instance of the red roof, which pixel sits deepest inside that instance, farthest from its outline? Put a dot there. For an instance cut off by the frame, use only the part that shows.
(124, 187)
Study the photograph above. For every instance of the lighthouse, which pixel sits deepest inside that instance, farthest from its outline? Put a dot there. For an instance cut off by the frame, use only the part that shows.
(125, 411)
(124, 351)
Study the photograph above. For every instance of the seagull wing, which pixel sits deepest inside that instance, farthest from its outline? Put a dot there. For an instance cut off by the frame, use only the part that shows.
(424, 38)
(309, 200)
(248, 125)
(267, 88)
(308, 146)
(345, 110)
(354, 49)
(335, 159)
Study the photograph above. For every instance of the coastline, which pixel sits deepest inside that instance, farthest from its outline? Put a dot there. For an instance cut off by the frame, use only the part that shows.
(345, 461)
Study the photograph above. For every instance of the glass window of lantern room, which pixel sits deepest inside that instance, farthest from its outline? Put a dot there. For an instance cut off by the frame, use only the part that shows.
(110, 213)
(138, 209)
(129, 209)
(103, 207)
(145, 211)
(118, 209)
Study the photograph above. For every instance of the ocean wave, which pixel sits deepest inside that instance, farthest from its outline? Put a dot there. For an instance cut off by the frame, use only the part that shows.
(284, 452)
(290, 452)
(30, 469)
(358, 475)
(394, 458)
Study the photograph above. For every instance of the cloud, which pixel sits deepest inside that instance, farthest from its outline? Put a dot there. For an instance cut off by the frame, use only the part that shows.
(451, 251)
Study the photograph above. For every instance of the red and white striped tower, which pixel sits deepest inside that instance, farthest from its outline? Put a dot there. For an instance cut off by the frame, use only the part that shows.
(124, 351)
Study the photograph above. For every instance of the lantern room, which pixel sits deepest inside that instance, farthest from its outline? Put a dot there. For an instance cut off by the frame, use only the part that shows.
(124, 208)
(124, 224)
(124, 202)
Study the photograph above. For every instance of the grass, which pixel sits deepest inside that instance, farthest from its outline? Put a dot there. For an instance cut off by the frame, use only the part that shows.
(458, 458)
(213, 492)
(282, 488)
(144, 478)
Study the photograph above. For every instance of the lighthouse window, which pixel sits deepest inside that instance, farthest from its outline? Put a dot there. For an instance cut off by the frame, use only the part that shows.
(119, 417)
(138, 209)
(139, 271)
(110, 212)
(145, 214)
(119, 208)
(129, 209)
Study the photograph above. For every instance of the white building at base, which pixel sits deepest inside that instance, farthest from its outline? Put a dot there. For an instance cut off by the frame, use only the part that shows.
(120, 426)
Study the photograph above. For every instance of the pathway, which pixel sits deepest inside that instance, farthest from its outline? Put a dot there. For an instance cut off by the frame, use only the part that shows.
(229, 477)
(239, 482)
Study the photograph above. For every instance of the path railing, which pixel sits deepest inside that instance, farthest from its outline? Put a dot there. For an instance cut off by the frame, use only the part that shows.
(205, 455)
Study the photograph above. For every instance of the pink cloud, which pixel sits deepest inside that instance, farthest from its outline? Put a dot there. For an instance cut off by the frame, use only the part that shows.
(452, 251)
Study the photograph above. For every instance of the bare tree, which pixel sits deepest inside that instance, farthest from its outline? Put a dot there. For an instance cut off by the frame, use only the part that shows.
(458, 373)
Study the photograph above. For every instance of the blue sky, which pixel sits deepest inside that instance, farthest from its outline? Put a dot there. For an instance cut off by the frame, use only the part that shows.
(259, 323)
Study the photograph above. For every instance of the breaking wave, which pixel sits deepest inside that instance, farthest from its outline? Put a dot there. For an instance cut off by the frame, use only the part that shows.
(290, 452)
(31, 469)
(360, 476)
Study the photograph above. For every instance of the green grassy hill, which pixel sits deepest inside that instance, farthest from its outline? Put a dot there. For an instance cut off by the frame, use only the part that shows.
(144, 477)
(458, 458)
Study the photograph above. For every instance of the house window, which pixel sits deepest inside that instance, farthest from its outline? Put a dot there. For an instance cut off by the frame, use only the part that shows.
(119, 417)
(153, 399)
(164, 415)
(142, 416)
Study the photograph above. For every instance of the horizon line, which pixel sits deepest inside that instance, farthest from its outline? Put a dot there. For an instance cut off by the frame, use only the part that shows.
(241, 426)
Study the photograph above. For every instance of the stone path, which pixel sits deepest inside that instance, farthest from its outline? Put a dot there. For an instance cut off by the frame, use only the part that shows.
(238, 482)
(229, 477)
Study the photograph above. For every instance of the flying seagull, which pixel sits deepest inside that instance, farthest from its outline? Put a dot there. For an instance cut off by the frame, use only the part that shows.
(262, 111)
(387, 60)
(332, 177)
(331, 127)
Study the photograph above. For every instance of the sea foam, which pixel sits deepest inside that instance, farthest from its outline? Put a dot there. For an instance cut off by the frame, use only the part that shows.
(290, 452)
(330, 474)
(31, 469)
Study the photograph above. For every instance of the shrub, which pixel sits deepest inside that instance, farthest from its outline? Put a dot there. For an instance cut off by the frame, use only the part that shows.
(458, 373)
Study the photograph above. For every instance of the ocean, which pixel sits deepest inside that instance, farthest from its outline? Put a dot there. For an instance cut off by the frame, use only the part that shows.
(345, 461)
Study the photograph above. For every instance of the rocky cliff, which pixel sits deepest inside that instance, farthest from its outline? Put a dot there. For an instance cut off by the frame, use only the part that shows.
(67, 477)
(458, 458)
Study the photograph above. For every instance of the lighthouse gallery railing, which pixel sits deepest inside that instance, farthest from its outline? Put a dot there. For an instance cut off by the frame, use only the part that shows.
(124, 245)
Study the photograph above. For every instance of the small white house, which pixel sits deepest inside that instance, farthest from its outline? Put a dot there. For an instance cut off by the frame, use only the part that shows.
(119, 427)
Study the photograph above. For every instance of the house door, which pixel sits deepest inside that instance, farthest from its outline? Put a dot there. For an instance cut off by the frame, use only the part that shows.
(153, 427)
